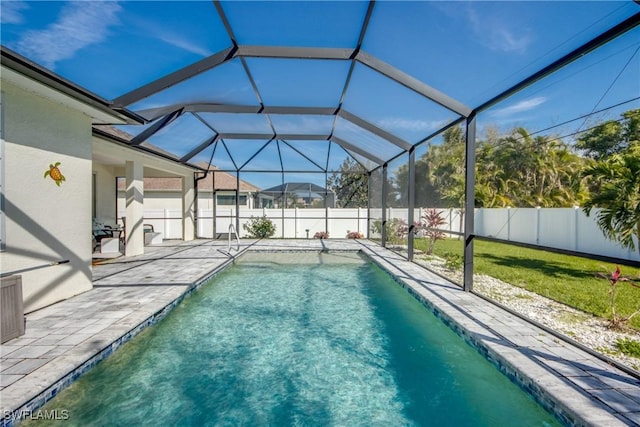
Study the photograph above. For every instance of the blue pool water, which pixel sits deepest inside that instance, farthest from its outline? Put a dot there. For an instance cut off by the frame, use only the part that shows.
(298, 339)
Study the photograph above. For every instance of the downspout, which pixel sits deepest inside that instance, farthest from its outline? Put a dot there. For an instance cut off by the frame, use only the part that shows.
(196, 180)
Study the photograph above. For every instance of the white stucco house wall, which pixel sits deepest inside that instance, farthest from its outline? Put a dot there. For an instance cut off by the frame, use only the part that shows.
(45, 228)
(43, 223)
(163, 201)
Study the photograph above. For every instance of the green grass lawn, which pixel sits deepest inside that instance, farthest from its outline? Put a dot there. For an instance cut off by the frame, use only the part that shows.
(564, 278)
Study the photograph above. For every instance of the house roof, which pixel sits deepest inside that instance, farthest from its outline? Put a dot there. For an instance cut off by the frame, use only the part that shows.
(215, 179)
(301, 188)
(31, 76)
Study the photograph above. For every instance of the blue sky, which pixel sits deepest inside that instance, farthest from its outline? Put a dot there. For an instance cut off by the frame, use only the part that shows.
(468, 50)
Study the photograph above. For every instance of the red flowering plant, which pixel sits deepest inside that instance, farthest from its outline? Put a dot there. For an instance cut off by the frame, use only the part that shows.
(354, 235)
(615, 278)
(432, 220)
(321, 235)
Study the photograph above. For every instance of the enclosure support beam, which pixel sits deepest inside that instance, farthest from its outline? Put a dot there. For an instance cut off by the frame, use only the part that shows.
(237, 225)
(154, 128)
(411, 199)
(469, 201)
(616, 31)
(284, 200)
(175, 77)
(412, 83)
(384, 206)
(368, 204)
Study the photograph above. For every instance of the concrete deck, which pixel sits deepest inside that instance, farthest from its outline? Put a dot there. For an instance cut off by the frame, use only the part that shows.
(65, 340)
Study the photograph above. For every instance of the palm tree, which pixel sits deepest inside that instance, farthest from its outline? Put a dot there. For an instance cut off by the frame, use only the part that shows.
(618, 178)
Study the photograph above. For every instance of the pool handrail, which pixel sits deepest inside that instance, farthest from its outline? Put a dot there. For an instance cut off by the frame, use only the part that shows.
(232, 229)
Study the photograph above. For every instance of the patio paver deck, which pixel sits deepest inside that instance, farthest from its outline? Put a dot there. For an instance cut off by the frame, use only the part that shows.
(130, 292)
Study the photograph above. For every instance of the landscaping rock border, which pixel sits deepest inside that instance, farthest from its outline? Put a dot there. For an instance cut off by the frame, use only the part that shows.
(590, 331)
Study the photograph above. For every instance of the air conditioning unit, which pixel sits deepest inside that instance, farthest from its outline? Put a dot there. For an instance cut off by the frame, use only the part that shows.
(12, 314)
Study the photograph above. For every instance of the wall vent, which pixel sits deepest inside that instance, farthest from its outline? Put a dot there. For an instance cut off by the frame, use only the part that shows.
(12, 314)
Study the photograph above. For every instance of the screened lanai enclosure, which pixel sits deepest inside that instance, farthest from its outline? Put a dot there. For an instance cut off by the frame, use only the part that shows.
(412, 122)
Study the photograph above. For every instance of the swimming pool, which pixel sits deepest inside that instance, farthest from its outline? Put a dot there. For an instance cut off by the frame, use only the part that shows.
(289, 338)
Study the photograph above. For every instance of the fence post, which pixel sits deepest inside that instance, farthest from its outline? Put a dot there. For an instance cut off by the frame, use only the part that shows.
(509, 223)
(537, 225)
(576, 218)
(295, 222)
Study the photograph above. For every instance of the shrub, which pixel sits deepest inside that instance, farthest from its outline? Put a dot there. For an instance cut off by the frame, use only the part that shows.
(259, 227)
(396, 229)
(321, 235)
(355, 235)
(629, 347)
(453, 261)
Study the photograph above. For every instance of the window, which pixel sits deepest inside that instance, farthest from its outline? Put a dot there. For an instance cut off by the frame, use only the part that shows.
(230, 199)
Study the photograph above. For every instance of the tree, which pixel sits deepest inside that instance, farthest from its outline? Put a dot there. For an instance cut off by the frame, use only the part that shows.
(619, 195)
(611, 137)
(536, 171)
(350, 185)
(426, 193)
(447, 167)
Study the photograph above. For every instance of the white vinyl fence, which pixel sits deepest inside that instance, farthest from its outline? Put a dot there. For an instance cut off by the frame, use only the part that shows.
(562, 228)
(290, 223)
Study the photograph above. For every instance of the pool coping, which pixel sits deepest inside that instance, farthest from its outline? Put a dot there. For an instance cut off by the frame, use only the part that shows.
(528, 363)
(532, 360)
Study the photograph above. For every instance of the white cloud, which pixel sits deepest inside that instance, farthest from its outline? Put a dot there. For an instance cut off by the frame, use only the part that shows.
(182, 43)
(526, 105)
(79, 24)
(410, 124)
(497, 34)
(11, 12)
(160, 31)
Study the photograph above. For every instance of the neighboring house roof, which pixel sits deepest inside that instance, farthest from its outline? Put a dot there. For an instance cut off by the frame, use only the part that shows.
(225, 181)
(114, 131)
(300, 188)
(222, 180)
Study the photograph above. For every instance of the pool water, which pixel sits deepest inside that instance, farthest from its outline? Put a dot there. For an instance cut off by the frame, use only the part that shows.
(298, 339)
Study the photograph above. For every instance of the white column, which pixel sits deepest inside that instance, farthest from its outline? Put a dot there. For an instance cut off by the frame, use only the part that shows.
(134, 176)
(188, 204)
